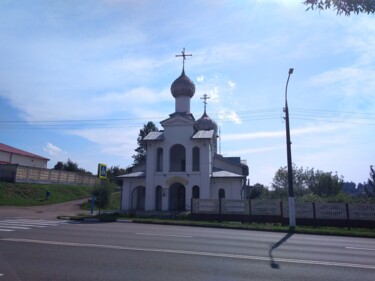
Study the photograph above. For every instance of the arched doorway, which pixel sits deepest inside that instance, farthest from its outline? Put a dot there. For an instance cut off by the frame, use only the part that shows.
(158, 198)
(177, 197)
(138, 198)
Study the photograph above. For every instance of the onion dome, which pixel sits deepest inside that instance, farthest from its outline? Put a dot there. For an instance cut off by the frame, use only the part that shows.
(183, 86)
(206, 123)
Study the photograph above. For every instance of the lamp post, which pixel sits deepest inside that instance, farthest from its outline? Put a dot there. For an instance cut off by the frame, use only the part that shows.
(292, 213)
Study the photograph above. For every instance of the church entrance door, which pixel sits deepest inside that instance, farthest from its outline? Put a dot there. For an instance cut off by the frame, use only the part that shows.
(177, 197)
(138, 198)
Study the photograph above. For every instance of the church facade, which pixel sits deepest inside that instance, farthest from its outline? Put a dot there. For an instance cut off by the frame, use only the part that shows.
(182, 161)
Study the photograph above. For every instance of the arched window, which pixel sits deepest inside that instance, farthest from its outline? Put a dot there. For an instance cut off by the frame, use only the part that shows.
(196, 159)
(159, 159)
(221, 193)
(177, 158)
(195, 192)
(158, 198)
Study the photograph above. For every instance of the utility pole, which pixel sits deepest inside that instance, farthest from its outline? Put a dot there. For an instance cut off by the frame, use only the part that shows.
(292, 213)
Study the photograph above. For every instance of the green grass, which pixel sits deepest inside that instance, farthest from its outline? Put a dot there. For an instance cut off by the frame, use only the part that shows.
(31, 194)
(114, 203)
(352, 232)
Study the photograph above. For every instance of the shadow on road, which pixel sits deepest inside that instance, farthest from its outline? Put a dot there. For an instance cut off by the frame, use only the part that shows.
(273, 264)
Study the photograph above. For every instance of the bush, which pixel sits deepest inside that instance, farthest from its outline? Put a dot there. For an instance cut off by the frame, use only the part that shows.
(102, 194)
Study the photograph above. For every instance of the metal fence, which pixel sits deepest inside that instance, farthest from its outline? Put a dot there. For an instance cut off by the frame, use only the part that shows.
(277, 211)
(18, 173)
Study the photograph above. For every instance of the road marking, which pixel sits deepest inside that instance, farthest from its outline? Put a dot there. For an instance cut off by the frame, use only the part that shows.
(4, 225)
(355, 248)
(6, 229)
(195, 253)
(167, 235)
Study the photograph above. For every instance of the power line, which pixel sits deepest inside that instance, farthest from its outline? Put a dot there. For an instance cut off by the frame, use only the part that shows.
(244, 115)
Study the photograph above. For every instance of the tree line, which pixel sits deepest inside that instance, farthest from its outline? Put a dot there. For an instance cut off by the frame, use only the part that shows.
(312, 185)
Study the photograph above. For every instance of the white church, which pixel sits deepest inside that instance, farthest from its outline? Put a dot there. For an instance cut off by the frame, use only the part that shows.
(182, 161)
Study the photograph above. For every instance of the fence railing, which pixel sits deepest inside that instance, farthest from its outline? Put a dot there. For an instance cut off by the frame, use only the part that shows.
(309, 213)
(18, 173)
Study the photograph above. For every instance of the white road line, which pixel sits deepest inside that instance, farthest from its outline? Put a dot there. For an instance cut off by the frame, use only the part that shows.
(39, 221)
(195, 253)
(166, 235)
(4, 225)
(31, 223)
(364, 249)
(1, 229)
(26, 225)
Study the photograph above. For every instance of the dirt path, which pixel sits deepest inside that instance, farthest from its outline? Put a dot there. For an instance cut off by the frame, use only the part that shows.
(43, 212)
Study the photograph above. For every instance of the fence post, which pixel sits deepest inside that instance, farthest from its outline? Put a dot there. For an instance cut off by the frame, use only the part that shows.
(347, 215)
(314, 214)
(281, 212)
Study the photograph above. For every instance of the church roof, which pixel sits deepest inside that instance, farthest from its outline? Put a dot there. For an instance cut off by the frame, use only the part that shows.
(225, 174)
(183, 86)
(203, 134)
(134, 175)
(154, 136)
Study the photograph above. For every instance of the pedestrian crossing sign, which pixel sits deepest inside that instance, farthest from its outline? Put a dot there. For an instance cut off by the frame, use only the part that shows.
(102, 171)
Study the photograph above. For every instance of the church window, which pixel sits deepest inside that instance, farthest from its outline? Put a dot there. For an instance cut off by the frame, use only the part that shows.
(195, 192)
(159, 160)
(221, 193)
(177, 158)
(196, 159)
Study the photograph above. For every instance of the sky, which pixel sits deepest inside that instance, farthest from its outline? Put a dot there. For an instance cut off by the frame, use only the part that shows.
(78, 79)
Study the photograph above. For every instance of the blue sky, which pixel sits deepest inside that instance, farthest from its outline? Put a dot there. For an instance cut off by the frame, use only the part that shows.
(78, 79)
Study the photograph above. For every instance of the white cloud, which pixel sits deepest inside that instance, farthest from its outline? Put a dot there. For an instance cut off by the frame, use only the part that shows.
(231, 84)
(229, 115)
(200, 78)
(52, 150)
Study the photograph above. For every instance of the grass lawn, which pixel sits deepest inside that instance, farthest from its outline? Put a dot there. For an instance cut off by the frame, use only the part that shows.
(114, 203)
(31, 194)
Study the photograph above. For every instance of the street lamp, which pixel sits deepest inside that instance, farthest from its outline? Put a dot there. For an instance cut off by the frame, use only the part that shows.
(292, 213)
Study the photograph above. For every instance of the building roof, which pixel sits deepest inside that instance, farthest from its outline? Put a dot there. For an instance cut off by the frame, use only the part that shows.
(154, 136)
(226, 174)
(13, 150)
(134, 175)
(203, 134)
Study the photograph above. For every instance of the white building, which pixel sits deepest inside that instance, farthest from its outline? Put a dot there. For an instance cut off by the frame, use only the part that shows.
(182, 161)
(12, 155)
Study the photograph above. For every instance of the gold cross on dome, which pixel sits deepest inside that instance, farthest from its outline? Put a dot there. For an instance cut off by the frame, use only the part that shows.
(205, 98)
(183, 55)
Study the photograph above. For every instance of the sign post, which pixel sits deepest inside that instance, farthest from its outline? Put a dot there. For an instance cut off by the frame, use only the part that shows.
(102, 175)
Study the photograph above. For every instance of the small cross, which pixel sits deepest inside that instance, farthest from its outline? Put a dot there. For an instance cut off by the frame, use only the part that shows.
(184, 57)
(205, 98)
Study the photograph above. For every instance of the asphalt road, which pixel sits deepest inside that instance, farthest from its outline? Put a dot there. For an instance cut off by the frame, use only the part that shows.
(128, 251)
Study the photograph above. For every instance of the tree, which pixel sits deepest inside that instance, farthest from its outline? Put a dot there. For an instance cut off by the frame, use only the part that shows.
(325, 184)
(140, 156)
(70, 166)
(370, 187)
(306, 181)
(256, 191)
(114, 172)
(280, 182)
(342, 6)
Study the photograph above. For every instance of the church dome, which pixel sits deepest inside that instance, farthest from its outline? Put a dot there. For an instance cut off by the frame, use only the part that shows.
(183, 86)
(206, 123)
